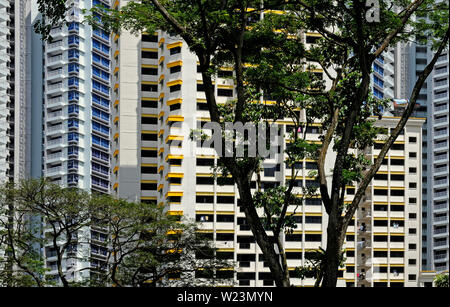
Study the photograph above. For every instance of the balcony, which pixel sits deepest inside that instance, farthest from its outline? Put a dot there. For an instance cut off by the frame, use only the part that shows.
(54, 171)
(55, 60)
(440, 194)
(54, 88)
(54, 143)
(440, 231)
(440, 182)
(55, 116)
(441, 207)
(50, 158)
(440, 108)
(56, 74)
(440, 244)
(440, 70)
(55, 47)
(55, 102)
(441, 219)
(58, 129)
(440, 96)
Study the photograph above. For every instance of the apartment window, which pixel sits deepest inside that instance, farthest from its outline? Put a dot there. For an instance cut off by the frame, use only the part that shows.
(381, 192)
(395, 177)
(225, 255)
(412, 139)
(413, 170)
(293, 237)
(200, 199)
(205, 162)
(149, 121)
(380, 254)
(291, 255)
(397, 192)
(312, 39)
(381, 176)
(412, 247)
(149, 104)
(149, 71)
(413, 200)
(397, 239)
(175, 88)
(380, 238)
(149, 137)
(350, 253)
(225, 218)
(149, 153)
(413, 185)
(205, 180)
(148, 186)
(311, 165)
(149, 170)
(149, 87)
(412, 231)
(225, 92)
(150, 38)
(149, 55)
(396, 224)
(175, 69)
(225, 74)
(313, 219)
(225, 237)
(351, 191)
(313, 238)
(175, 50)
(204, 218)
(398, 147)
(380, 207)
(225, 181)
(413, 155)
(313, 202)
(397, 208)
(412, 277)
(380, 223)
(175, 107)
(200, 87)
(202, 106)
(225, 199)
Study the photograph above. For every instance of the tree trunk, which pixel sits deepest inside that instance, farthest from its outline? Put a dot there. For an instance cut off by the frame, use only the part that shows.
(267, 246)
(333, 253)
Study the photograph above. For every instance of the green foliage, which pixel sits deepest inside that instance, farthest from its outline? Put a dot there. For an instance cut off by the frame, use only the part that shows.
(441, 280)
(273, 201)
(142, 244)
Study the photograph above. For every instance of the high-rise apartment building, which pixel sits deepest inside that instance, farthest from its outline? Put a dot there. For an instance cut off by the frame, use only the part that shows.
(439, 165)
(383, 77)
(4, 72)
(77, 125)
(20, 111)
(411, 60)
(158, 98)
(16, 108)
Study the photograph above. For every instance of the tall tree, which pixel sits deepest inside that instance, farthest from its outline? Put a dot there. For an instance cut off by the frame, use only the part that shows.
(232, 33)
(141, 244)
(147, 247)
